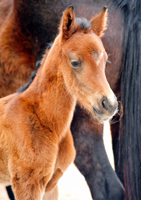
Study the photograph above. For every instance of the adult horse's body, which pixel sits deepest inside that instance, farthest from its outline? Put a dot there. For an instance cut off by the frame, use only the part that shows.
(36, 144)
(36, 26)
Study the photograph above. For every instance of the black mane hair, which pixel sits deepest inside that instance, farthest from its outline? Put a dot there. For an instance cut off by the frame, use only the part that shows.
(128, 148)
(33, 74)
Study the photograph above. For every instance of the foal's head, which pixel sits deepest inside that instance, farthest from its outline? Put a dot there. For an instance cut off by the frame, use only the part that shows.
(83, 63)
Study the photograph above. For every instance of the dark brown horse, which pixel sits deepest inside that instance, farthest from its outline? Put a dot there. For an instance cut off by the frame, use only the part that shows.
(37, 25)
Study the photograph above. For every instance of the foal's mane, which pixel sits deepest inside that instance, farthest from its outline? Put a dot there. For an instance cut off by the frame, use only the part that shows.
(83, 24)
(32, 76)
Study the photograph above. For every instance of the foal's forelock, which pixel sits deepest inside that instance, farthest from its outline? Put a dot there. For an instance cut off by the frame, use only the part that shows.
(83, 23)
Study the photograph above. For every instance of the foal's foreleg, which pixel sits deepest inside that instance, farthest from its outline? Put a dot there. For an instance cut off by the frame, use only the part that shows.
(29, 181)
(32, 188)
(65, 157)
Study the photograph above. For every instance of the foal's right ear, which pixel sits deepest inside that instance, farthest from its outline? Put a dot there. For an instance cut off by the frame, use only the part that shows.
(67, 26)
(99, 23)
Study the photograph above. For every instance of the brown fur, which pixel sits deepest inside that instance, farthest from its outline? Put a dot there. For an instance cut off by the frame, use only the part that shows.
(99, 22)
(35, 140)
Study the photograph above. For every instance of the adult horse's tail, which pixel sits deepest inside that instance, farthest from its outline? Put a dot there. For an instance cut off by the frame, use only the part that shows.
(128, 148)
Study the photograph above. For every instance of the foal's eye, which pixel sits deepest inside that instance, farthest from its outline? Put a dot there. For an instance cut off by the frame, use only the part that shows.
(76, 63)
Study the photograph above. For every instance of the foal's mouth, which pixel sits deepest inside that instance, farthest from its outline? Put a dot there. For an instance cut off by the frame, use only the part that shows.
(102, 116)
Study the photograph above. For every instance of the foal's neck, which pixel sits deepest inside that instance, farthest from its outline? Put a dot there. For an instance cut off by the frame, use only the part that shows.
(52, 102)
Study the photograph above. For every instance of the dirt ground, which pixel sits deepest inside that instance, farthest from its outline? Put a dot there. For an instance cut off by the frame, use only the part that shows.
(72, 186)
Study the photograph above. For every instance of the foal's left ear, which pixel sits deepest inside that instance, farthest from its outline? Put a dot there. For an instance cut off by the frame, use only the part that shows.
(99, 23)
(68, 22)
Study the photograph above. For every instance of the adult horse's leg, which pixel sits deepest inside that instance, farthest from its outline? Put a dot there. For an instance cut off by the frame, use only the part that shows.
(91, 158)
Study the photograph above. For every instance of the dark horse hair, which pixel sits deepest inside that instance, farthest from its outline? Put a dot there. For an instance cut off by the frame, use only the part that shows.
(128, 149)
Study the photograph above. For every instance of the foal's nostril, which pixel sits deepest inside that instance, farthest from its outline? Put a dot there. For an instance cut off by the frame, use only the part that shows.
(104, 104)
(107, 106)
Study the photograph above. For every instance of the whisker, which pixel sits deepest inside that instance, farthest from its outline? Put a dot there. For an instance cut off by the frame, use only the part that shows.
(119, 114)
(108, 61)
(113, 122)
(106, 66)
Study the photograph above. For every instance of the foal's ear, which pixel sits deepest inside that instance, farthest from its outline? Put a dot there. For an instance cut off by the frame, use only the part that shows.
(99, 23)
(68, 22)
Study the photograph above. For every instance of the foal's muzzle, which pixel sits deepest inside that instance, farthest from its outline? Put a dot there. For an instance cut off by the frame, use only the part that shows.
(107, 108)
